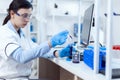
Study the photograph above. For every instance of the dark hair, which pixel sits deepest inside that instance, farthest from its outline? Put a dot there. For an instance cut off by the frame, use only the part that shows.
(15, 6)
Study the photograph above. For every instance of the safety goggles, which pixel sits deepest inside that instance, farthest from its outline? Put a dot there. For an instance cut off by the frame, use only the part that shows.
(25, 15)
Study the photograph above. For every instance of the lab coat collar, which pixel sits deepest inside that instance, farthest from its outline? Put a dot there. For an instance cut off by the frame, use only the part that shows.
(11, 27)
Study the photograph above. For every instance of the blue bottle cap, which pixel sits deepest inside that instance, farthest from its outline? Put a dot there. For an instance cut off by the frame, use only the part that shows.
(91, 47)
(102, 48)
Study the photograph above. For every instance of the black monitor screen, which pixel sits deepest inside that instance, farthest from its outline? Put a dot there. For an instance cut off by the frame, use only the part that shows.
(86, 27)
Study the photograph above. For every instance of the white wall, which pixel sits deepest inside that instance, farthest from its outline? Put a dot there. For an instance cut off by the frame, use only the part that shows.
(4, 4)
(116, 20)
(2, 17)
(3, 9)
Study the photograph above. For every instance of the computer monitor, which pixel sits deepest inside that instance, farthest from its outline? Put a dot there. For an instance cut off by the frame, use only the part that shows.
(86, 27)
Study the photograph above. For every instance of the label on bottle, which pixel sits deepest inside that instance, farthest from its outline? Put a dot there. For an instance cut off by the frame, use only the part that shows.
(75, 58)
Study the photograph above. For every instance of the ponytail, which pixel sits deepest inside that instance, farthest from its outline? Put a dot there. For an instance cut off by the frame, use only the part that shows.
(6, 19)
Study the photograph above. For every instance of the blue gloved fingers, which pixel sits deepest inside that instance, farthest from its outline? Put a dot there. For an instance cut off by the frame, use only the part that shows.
(59, 38)
(62, 37)
(62, 40)
(65, 32)
(64, 55)
(65, 51)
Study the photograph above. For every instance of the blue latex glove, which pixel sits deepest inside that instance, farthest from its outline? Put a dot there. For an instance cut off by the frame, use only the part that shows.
(66, 51)
(59, 38)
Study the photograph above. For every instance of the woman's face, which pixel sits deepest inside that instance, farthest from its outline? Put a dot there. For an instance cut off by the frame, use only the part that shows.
(21, 17)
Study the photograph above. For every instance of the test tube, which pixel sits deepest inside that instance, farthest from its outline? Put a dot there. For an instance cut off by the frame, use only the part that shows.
(70, 39)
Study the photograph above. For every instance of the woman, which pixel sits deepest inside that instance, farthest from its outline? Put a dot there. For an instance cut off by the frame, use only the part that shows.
(16, 51)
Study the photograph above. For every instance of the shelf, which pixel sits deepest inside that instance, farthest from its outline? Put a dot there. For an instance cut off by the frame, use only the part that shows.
(67, 9)
(33, 33)
(41, 19)
(59, 15)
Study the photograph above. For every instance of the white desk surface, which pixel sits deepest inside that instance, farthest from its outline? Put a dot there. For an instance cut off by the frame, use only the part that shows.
(79, 69)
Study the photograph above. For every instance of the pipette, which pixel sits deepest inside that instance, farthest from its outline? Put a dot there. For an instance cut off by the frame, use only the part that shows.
(70, 39)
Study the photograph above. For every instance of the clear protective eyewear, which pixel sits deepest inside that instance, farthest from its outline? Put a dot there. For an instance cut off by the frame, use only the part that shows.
(25, 15)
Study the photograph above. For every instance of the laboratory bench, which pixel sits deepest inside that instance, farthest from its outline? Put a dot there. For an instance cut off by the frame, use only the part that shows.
(80, 70)
(62, 69)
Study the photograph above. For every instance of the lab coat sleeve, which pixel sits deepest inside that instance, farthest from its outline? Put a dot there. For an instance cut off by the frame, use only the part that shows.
(10, 47)
(8, 42)
(49, 54)
(24, 56)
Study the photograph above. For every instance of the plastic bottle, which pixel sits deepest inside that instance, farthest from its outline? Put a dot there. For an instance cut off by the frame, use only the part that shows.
(31, 27)
(75, 55)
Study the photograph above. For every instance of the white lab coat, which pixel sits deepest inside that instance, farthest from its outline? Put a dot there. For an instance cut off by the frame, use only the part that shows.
(9, 41)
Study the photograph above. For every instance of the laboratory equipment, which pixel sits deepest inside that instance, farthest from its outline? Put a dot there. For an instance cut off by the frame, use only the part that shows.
(72, 50)
(75, 57)
(88, 57)
(31, 27)
(75, 31)
(86, 26)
